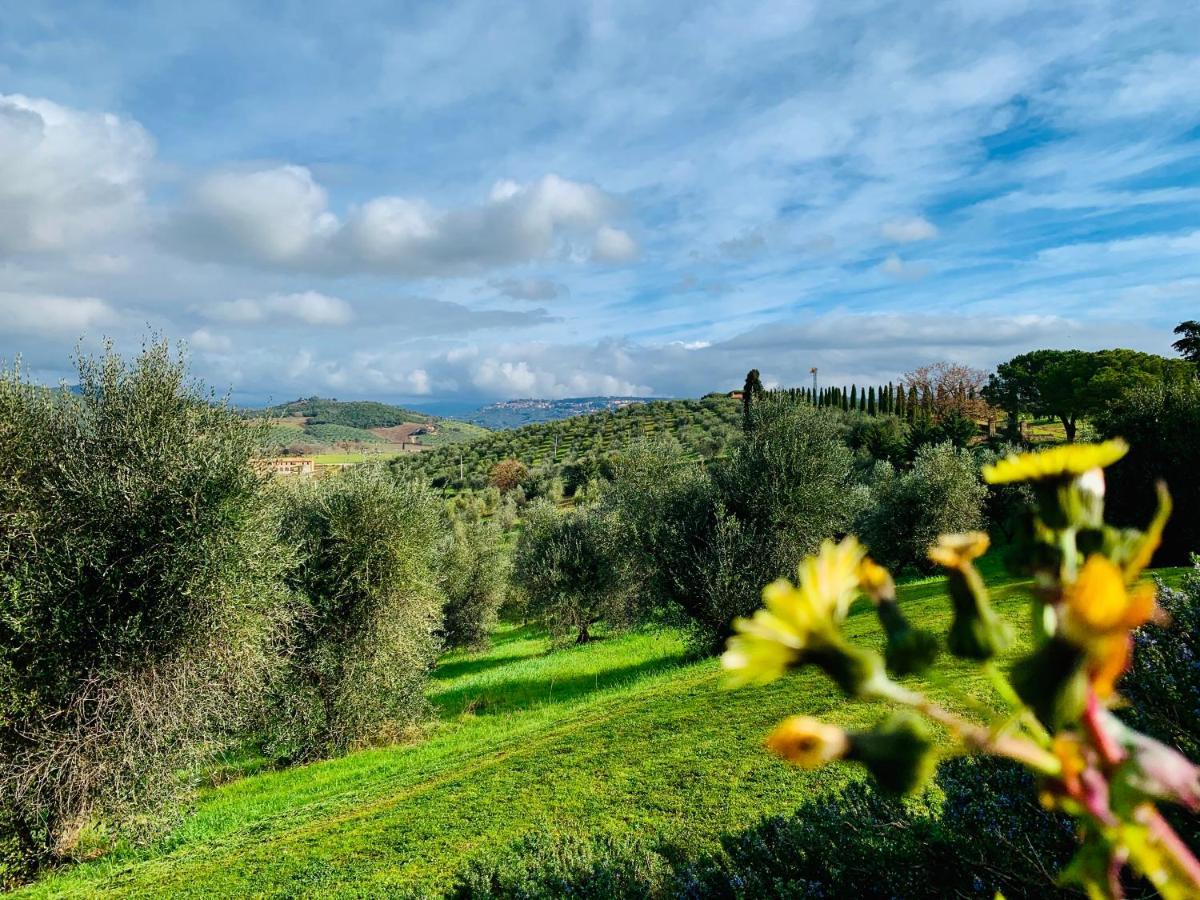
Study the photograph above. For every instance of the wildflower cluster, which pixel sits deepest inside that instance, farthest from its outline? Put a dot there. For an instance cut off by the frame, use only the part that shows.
(1088, 598)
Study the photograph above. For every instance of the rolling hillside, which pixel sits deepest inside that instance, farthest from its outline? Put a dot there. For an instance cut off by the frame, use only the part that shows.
(349, 430)
(623, 736)
(702, 427)
(515, 413)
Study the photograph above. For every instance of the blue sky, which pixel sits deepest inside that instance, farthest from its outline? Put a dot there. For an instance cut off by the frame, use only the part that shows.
(457, 200)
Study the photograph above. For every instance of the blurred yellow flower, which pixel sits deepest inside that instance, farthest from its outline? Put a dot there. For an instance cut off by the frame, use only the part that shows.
(957, 550)
(1067, 461)
(875, 581)
(1099, 603)
(1099, 614)
(765, 645)
(808, 742)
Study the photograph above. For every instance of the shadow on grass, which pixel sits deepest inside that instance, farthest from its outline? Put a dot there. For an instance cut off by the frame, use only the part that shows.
(486, 659)
(523, 693)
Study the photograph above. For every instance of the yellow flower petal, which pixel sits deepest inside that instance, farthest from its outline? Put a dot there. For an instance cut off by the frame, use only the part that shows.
(875, 581)
(768, 643)
(957, 550)
(756, 659)
(1098, 600)
(808, 742)
(1066, 461)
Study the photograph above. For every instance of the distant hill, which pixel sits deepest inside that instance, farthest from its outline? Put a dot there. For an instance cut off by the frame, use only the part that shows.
(324, 427)
(565, 446)
(351, 413)
(516, 413)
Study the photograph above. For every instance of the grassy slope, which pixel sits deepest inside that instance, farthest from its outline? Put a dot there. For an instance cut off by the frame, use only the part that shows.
(619, 735)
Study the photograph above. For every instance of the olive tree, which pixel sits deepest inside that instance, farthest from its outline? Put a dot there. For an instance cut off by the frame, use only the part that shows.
(565, 566)
(140, 592)
(367, 611)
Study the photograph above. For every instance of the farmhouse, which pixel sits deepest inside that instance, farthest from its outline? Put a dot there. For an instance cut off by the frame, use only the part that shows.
(286, 465)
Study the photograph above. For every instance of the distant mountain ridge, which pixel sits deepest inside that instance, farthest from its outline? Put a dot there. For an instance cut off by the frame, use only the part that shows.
(529, 410)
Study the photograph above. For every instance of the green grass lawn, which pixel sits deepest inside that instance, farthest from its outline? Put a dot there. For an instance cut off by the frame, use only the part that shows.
(621, 735)
(353, 457)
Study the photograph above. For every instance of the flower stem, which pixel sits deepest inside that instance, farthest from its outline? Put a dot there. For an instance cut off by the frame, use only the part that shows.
(1005, 689)
(974, 736)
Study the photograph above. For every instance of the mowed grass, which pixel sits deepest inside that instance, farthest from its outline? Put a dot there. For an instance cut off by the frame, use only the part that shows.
(622, 735)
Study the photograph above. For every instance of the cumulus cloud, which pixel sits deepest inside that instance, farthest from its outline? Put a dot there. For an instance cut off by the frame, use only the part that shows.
(908, 231)
(275, 216)
(522, 378)
(53, 316)
(613, 246)
(280, 217)
(210, 342)
(310, 307)
(67, 178)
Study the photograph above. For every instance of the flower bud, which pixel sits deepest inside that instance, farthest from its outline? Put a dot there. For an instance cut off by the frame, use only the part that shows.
(1052, 681)
(897, 752)
(808, 742)
(909, 650)
(854, 670)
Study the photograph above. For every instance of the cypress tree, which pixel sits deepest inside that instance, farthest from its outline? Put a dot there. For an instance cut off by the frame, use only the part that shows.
(898, 408)
(854, 396)
(911, 412)
(871, 401)
(752, 386)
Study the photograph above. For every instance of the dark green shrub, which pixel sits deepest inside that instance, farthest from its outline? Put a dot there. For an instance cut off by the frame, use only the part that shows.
(140, 586)
(1161, 421)
(1006, 504)
(943, 493)
(565, 567)
(549, 864)
(474, 576)
(367, 610)
(703, 544)
(989, 836)
(1163, 685)
(882, 437)
(788, 479)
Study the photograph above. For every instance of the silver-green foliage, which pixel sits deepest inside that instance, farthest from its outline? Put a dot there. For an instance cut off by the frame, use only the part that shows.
(140, 591)
(367, 610)
(474, 577)
(941, 494)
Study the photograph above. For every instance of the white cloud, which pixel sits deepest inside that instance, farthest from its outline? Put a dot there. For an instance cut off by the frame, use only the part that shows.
(613, 246)
(898, 268)
(53, 316)
(310, 307)
(520, 378)
(210, 342)
(907, 231)
(281, 217)
(67, 178)
(419, 382)
(273, 216)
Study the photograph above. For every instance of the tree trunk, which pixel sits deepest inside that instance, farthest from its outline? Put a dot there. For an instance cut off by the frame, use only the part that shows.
(584, 636)
(1069, 428)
